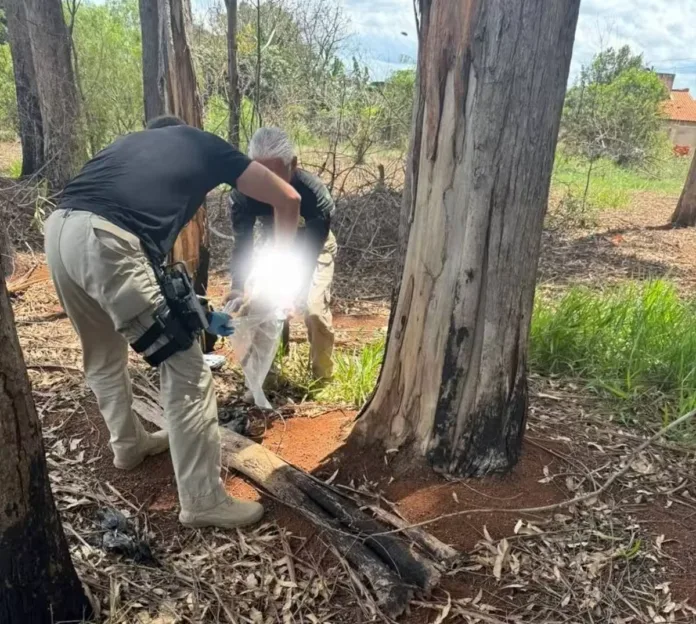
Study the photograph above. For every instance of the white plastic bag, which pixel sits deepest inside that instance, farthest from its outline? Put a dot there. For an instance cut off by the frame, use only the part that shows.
(272, 288)
(255, 343)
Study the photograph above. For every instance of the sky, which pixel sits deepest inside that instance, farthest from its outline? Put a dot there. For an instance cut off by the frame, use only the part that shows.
(663, 30)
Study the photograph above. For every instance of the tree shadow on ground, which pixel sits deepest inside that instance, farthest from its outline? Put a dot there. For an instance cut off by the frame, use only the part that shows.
(597, 259)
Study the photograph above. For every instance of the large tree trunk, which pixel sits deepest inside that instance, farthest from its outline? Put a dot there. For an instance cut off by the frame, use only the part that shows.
(64, 149)
(685, 213)
(39, 583)
(154, 84)
(492, 81)
(232, 72)
(28, 107)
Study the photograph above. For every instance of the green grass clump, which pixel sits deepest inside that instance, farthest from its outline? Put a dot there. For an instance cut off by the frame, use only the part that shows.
(355, 374)
(635, 342)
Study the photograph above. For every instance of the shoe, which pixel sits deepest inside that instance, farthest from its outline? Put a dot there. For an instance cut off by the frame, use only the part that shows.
(229, 514)
(154, 444)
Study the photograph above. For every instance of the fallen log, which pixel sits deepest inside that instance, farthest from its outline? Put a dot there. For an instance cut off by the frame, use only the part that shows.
(391, 565)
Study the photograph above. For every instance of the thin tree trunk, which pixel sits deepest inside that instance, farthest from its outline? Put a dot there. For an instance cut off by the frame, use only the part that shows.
(28, 107)
(685, 213)
(257, 97)
(232, 72)
(39, 583)
(154, 88)
(64, 150)
(192, 245)
(492, 82)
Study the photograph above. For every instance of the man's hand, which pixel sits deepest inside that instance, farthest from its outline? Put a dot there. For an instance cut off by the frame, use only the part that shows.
(263, 185)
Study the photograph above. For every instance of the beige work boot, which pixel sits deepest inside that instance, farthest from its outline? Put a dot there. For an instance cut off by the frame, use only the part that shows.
(153, 444)
(229, 514)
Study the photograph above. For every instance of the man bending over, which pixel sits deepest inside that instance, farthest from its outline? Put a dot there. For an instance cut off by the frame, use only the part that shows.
(114, 226)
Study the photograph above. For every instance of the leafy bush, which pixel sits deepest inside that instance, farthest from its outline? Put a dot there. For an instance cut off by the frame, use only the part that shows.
(107, 39)
(614, 111)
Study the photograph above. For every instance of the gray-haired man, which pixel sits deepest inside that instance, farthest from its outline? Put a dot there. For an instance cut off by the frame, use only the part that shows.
(272, 148)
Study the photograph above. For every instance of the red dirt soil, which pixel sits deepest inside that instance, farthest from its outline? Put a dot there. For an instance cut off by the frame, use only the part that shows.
(316, 444)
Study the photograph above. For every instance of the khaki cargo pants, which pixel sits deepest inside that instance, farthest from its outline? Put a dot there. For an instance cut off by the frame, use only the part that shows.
(318, 318)
(108, 290)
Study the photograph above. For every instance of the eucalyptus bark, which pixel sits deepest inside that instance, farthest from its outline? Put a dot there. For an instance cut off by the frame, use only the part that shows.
(154, 84)
(685, 213)
(492, 79)
(192, 245)
(28, 106)
(64, 145)
(39, 583)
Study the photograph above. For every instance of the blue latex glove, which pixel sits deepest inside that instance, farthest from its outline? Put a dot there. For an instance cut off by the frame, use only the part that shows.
(218, 324)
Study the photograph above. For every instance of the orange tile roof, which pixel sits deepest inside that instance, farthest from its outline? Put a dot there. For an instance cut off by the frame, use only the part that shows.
(680, 106)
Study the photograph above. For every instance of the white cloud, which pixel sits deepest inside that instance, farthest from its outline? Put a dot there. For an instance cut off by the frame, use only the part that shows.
(661, 29)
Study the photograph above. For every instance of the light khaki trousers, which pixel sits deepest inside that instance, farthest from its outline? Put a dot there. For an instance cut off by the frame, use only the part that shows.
(318, 318)
(108, 290)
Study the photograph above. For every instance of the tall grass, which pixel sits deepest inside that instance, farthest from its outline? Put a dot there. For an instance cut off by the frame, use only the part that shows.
(635, 342)
(355, 374)
(611, 186)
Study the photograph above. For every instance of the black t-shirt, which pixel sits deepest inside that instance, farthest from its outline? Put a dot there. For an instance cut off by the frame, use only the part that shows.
(152, 183)
(316, 209)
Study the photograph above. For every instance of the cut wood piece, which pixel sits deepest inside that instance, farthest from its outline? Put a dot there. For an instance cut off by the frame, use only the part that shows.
(439, 551)
(389, 564)
(413, 569)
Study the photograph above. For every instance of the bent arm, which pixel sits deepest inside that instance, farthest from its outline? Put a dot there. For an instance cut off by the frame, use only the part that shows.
(262, 185)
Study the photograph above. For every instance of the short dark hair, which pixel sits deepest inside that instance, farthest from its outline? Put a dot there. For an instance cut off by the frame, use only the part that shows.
(163, 121)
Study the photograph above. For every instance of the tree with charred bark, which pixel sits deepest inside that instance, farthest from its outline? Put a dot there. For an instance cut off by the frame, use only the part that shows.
(232, 72)
(492, 79)
(28, 107)
(685, 213)
(170, 87)
(64, 148)
(39, 583)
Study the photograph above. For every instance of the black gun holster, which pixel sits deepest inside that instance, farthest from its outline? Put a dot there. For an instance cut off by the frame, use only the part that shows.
(180, 317)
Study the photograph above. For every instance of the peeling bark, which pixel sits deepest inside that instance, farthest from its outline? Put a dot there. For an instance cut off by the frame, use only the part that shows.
(492, 78)
(170, 87)
(154, 87)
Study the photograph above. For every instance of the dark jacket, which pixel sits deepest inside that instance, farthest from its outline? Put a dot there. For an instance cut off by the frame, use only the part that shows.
(316, 209)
